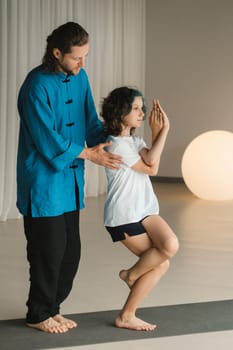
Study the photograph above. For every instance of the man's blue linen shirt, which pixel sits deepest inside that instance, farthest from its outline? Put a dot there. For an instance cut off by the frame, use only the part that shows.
(57, 117)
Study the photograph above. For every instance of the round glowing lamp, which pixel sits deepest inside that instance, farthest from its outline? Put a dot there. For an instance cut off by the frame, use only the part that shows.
(207, 165)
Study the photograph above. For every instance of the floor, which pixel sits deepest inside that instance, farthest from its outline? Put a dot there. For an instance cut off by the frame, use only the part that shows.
(201, 271)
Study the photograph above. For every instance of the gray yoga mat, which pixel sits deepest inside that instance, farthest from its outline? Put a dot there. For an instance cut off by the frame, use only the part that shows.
(97, 327)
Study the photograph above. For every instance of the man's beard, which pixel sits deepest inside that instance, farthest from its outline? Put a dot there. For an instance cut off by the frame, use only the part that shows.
(64, 69)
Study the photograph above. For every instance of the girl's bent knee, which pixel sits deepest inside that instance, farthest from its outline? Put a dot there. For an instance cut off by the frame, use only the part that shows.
(171, 247)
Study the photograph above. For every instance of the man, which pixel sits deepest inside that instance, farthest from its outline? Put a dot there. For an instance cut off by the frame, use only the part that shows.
(57, 119)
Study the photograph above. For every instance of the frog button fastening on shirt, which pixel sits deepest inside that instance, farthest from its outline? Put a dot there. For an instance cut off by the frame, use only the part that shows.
(73, 166)
(70, 124)
(66, 80)
(68, 101)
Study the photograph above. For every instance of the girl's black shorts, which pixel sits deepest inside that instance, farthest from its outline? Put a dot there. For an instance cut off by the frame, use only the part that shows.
(118, 232)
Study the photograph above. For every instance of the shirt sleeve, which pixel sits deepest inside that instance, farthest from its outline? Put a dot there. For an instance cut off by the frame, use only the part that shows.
(129, 151)
(140, 143)
(94, 130)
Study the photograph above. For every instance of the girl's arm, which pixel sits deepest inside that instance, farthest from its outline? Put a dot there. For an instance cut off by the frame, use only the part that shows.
(150, 158)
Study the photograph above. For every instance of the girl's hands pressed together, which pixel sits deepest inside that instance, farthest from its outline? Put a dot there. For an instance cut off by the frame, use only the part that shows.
(158, 119)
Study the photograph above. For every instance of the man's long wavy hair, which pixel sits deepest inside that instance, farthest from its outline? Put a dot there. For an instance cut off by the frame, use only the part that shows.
(63, 38)
(116, 106)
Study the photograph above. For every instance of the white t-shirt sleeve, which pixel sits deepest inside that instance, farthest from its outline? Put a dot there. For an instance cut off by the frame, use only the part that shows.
(128, 149)
(140, 143)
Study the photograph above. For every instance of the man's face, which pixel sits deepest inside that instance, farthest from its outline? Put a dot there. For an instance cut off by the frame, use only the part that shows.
(70, 63)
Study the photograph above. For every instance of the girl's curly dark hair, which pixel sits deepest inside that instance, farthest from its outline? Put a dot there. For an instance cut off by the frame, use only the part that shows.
(116, 106)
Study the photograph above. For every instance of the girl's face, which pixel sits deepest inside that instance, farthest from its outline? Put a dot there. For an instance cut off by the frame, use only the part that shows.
(135, 117)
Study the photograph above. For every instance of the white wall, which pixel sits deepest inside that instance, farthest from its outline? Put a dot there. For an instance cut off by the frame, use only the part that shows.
(189, 67)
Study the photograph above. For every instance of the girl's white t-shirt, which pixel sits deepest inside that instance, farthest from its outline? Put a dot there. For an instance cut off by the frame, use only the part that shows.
(130, 195)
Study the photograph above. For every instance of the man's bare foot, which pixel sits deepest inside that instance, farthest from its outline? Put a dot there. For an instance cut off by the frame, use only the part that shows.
(134, 323)
(65, 321)
(49, 326)
(124, 275)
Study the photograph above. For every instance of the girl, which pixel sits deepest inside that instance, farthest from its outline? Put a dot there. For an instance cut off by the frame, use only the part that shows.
(131, 213)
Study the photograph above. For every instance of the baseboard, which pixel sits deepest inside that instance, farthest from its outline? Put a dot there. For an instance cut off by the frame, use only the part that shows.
(167, 179)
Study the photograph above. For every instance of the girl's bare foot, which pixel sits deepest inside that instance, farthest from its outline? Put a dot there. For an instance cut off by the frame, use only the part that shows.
(124, 275)
(134, 323)
(49, 326)
(65, 321)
